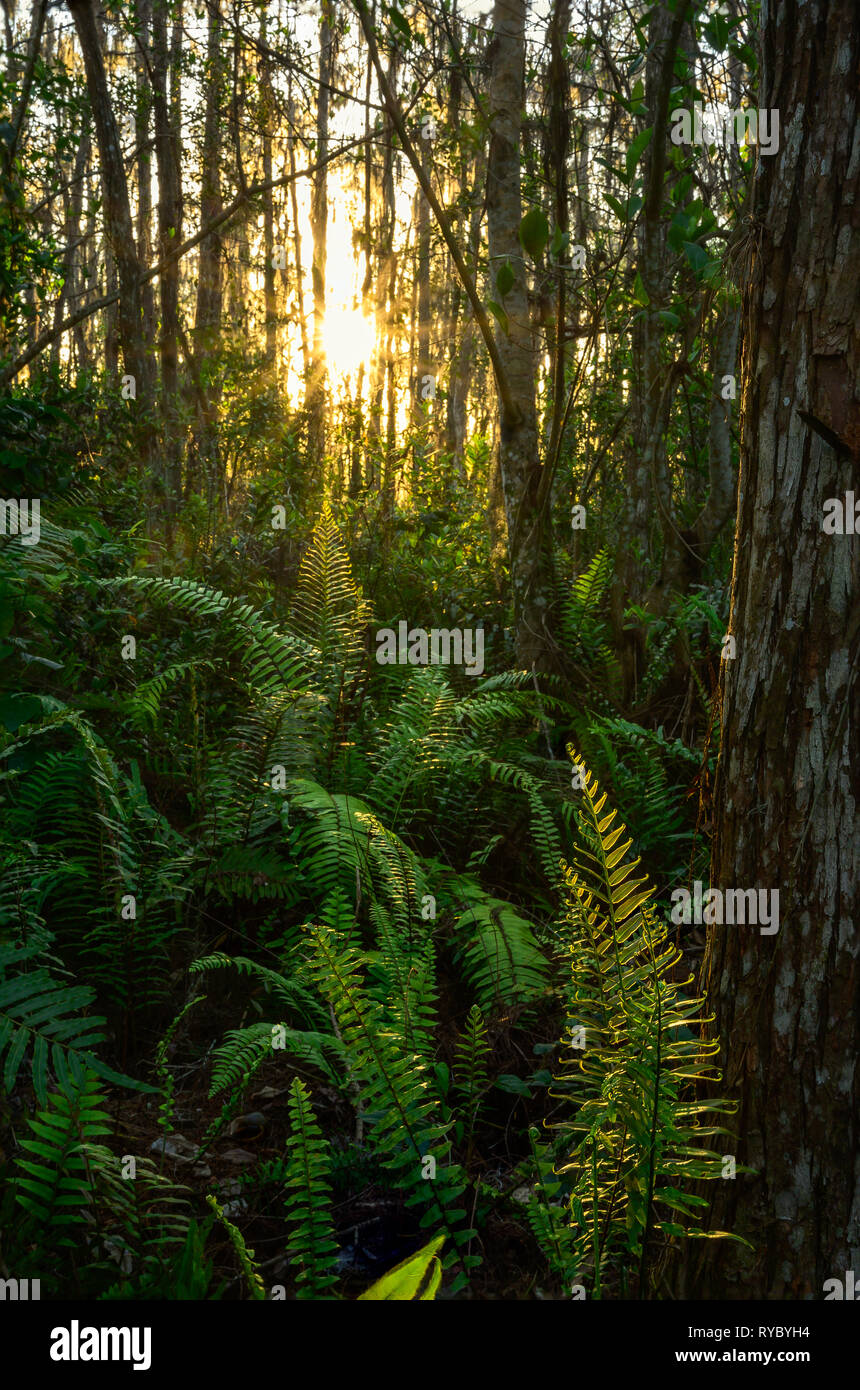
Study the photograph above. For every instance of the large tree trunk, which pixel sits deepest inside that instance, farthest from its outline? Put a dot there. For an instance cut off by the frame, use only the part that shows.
(117, 210)
(529, 558)
(788, 1005)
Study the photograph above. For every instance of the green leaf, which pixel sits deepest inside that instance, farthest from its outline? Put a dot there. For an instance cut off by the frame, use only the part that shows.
(414, 1279)
(637, 148)
(534, 232)
(640, 295)
(400, 22)
(514, 1085)
(505, 279)
(498, 312)
(560, 242)
(696, 255)
(716, 31)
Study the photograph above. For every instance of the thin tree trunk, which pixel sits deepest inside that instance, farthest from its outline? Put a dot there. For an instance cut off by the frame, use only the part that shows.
(144, 162)
(117, 210)
(267, 122)
(297, 236)
(649, 493)
(316, 389)
(207, 318)
(73, 200)
(167, 151)
(423, 364)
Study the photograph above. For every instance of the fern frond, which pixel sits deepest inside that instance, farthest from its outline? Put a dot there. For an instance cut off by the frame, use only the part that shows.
(273, 660)
(58, 1187)
(471, 1078)
(250, 1272)
(46, 1018)
(310, 1243)
(328, 608)
(398, 1100)
(245, 1049)
(634, 1138)
(500, 956)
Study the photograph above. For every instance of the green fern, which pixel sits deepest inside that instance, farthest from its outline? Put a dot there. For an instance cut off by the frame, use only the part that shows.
(584, 628)
(47, 1019)
(397, 1097)
(415, 1279)
(328, 608)
(471, 1078)
(499, 954)
(546, 1213)
(311, 1244)
(274, 661)
(244, 1050)
(247, 1264)
(56, 1186)
(635, 1137)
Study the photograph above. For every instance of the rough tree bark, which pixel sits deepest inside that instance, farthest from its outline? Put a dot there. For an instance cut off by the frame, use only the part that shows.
(528, 549)
(316, 385)
(117, 210)
(167, 154)
(207, 317)
(555, 163)
(787, 1005)
(423, 363)
(267, 122)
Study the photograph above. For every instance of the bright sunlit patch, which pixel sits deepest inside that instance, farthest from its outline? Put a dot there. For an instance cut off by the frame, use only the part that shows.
(348, 338)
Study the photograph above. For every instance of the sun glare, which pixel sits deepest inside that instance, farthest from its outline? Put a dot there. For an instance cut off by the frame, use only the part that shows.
(348, 338)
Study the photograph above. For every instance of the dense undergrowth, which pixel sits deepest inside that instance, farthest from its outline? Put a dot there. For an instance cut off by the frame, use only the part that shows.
(305, 960)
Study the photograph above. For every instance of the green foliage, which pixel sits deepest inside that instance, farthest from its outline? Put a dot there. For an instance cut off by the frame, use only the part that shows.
(328, 608)
(47, 1020)
(250, 1272)
(311, 1244)
(546, 1212)
(583, 621)
(79, 831)
(397, 1098)
(644, 771)
(59, 1182)
(499, 954)
(414, 1279)
(636, 1140)
(471, 1078)
(372, 852)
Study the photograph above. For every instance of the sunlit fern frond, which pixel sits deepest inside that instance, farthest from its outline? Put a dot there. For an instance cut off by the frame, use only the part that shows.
(328, 608)
(271, 659)
(634, 1135)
